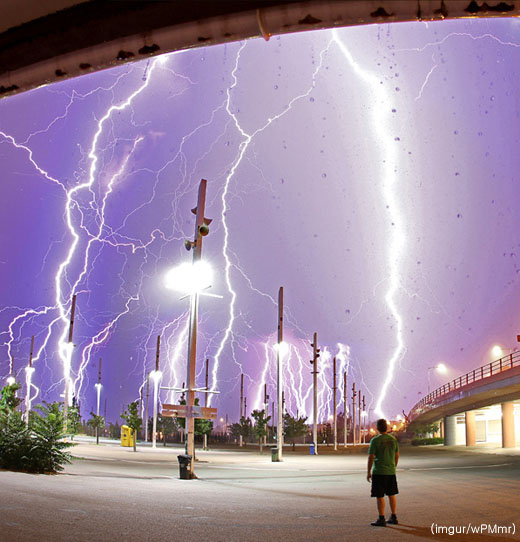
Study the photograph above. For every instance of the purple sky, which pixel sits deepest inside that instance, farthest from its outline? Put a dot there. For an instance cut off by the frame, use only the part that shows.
(371, 171)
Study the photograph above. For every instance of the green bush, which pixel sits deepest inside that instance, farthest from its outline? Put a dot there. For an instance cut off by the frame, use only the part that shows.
(34, 447)
(427, 441)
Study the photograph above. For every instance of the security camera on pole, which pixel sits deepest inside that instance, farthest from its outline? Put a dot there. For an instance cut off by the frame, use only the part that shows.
(314, 372)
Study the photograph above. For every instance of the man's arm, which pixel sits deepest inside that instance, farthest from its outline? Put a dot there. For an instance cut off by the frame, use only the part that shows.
(369, 466)
(396, 458)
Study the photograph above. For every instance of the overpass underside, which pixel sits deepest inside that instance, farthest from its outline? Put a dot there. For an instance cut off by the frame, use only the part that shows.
(42, 43)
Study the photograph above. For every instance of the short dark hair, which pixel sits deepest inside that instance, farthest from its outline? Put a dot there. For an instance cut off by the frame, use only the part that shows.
(382, 426)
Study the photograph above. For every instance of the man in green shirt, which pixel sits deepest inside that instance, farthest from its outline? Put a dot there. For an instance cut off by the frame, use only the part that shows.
(383, 456)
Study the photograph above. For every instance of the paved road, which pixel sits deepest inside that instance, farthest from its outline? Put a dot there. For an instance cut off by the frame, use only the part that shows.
(112, 493)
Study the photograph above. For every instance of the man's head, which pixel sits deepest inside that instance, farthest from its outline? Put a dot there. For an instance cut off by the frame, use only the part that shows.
(382, 426)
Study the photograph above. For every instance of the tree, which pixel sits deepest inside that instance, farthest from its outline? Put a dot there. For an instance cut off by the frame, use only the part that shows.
(114, 430)
(167, 425)
(294, 427)
(201, 426)
(96, 423)
(244, 428)
(131, 416)
(8, 400)
(47, 424)
(73, 421)
(260, 428)
(424, 429)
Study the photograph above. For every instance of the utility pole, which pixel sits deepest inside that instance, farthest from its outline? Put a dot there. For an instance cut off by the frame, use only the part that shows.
(201, 230)
(98, 389)
(279, 428)
(314, 372)
(272, 418)
(205, 445)
(28, 379)
(266, 408)
(359, 415)
(146, 407)
(68, 364)
(354, 413)
(345, 427)
(240, 440)
(156, 379)
(335, 420)
(364, 420)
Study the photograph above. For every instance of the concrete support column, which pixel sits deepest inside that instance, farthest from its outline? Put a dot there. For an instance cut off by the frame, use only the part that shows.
(471, 433)
(508, 425)
(450, 430)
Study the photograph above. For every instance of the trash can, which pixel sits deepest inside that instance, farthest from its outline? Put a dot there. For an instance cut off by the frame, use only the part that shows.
(274, 455)
(312, 448)
(184, 466)
(127, 436)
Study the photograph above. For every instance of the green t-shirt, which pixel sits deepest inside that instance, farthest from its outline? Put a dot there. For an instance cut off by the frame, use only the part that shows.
(384, 448)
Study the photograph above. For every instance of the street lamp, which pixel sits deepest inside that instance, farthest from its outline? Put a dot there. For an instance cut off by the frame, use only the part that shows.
(192, 279)
(10, 380)
(441, 368)
(281, 348)
(156, 377)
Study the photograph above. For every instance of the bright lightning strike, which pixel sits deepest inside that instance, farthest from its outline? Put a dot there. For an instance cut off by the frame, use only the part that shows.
(380, 115)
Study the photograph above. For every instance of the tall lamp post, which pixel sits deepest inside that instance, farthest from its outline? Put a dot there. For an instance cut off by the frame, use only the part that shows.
(98, 389)
(441, 368)
(156, 377)
(314, 363)
(279, 387)
(28, 382)
(196, 277)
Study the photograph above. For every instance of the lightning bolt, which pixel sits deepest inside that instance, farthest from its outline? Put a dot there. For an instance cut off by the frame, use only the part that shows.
(381, 98)
(242, 150)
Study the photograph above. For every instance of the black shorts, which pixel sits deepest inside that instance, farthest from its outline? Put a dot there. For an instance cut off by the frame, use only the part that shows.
(384, 484)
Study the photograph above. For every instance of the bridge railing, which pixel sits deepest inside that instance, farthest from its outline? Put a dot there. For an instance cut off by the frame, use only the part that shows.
(499, 365)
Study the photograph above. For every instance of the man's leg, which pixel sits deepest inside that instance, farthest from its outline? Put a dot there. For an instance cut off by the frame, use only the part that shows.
(381, 505)
(392, 499)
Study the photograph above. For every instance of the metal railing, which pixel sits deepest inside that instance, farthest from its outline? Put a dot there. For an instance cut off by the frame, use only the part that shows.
(490, 369)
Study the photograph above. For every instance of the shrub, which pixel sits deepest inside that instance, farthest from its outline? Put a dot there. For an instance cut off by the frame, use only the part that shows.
(427, 441)
(37, 446)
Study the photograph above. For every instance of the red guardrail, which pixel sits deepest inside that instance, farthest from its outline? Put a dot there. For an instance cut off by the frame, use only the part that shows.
(430, 401)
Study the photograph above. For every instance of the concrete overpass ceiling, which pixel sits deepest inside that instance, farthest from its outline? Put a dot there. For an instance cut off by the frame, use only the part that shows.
(42, 41)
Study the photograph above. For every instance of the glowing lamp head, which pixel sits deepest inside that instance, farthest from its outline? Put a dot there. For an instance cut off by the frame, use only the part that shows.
(155, 375)
(98, 385)
(282, 348)
(441, 368)
(11, 380)
(189, 278)
(497, 351)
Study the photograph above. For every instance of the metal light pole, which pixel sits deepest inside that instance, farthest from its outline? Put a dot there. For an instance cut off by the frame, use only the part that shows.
(314, 372)
(335, 421)
(98, 390)
(28, 379)
(146, 408)
(68, 364)
(201, 230)
(266, 408)
(364, 420)
(240, 440)
(279, 406)
(354, 413)
(345, 427)
(205, 445)
(359, 415)
(156, 378)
